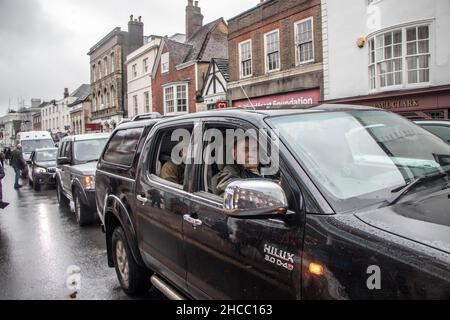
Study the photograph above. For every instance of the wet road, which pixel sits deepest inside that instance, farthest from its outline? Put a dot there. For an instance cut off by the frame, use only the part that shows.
(39, 243)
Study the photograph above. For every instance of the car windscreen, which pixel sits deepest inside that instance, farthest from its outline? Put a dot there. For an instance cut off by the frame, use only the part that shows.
(29, 146)
(46, 155)
(88, 150)
(358, 157)
(442, 132)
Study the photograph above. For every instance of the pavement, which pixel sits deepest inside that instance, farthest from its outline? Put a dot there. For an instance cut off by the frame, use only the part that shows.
(45, 255)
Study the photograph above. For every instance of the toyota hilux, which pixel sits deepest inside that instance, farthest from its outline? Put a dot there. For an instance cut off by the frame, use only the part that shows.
(347, 202)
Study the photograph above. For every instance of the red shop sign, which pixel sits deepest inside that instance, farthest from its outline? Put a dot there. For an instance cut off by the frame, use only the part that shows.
(300, 98)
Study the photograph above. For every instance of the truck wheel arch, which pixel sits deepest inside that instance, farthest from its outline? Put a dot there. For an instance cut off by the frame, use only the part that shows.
(116, 215)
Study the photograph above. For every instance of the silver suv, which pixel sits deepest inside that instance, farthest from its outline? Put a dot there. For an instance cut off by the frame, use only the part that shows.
(75, 174)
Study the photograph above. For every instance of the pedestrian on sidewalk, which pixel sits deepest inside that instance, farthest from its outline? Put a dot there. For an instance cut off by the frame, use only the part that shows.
(3, 205)
(2, 158)
(8, 155)
(18, 163)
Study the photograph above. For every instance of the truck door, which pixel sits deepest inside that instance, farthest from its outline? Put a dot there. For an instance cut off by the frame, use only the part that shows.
(161, 205)
(230, 258)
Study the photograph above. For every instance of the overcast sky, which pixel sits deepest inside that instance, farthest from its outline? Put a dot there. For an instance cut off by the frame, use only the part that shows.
(43, 43)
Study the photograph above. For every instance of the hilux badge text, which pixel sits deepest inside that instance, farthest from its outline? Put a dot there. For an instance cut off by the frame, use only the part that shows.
(279, 257)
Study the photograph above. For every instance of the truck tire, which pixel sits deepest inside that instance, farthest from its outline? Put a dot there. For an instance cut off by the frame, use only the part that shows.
(62, 199)
(134, 279)
(82, 212)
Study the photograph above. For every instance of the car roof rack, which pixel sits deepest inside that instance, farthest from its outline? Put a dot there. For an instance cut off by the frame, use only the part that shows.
(147, 116)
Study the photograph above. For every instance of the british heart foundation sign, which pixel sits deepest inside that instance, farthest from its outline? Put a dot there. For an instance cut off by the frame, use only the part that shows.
(292, 99)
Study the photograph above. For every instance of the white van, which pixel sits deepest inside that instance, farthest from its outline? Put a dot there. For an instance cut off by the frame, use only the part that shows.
(33, 140)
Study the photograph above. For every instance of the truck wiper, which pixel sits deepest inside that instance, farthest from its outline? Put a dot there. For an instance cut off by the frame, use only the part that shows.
(400, 192)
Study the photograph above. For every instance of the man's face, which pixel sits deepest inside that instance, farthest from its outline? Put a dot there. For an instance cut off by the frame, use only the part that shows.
(246, 154)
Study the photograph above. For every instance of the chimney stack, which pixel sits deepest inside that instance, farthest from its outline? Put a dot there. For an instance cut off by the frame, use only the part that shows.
(135, 32)
(66, 93)
(194, 18)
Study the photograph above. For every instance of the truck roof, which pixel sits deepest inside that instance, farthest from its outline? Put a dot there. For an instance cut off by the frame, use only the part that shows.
(34, 135)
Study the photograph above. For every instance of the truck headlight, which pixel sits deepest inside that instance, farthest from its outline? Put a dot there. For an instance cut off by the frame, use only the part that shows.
(38, 170)
(88, 182)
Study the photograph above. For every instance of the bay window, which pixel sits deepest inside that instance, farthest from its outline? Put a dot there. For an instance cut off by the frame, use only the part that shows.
(400, 58)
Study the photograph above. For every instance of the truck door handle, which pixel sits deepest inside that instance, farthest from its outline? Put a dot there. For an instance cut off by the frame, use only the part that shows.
(142, 199)
(194, 222)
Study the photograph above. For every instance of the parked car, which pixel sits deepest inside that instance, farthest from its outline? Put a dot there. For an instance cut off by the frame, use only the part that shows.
(358, 208)
(42, 168)
(75, 174)
(441, 128)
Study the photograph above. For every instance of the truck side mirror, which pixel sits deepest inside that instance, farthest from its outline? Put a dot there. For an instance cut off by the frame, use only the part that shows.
(255, 198)
(63, 161)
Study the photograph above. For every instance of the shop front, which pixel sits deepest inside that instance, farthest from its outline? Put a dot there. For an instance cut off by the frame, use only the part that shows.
(429, 103)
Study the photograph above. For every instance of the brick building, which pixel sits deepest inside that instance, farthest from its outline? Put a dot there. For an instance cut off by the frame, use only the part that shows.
(180, 67)
(109, 76)
(275, 54)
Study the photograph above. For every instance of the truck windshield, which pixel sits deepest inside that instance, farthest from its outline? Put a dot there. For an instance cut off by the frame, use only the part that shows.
(89, 150)
(358, 157)
(29, 146)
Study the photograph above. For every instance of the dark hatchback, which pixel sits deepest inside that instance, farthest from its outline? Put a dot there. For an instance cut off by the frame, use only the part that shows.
(359, 209)
(42, 168)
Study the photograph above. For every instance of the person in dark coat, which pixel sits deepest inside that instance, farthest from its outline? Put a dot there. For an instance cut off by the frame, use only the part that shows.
(18, 163)
(3, 205)
(8, 155)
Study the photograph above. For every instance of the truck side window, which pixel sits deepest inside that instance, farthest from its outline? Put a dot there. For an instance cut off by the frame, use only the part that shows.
(217, 172)
(121, 149)
(168, 160)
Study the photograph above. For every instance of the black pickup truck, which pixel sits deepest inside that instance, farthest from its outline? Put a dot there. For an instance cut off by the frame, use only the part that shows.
(350, 203)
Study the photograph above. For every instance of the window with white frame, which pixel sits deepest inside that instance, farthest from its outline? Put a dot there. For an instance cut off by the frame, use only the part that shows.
(400, 58)
(147, 101)
(145, 65)
(135, 105)
(304, 41)
(176, 99)
(418, 54)
(272, 49)
(245, 57)
(134, 70)
(165, 63)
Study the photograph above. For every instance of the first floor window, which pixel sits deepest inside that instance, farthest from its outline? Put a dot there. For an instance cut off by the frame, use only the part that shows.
(272, 51)
(400, 57)
(304, 41)
(175, 99)
(245, 56)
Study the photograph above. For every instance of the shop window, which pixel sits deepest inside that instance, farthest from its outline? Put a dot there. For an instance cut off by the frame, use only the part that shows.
(436, 115)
